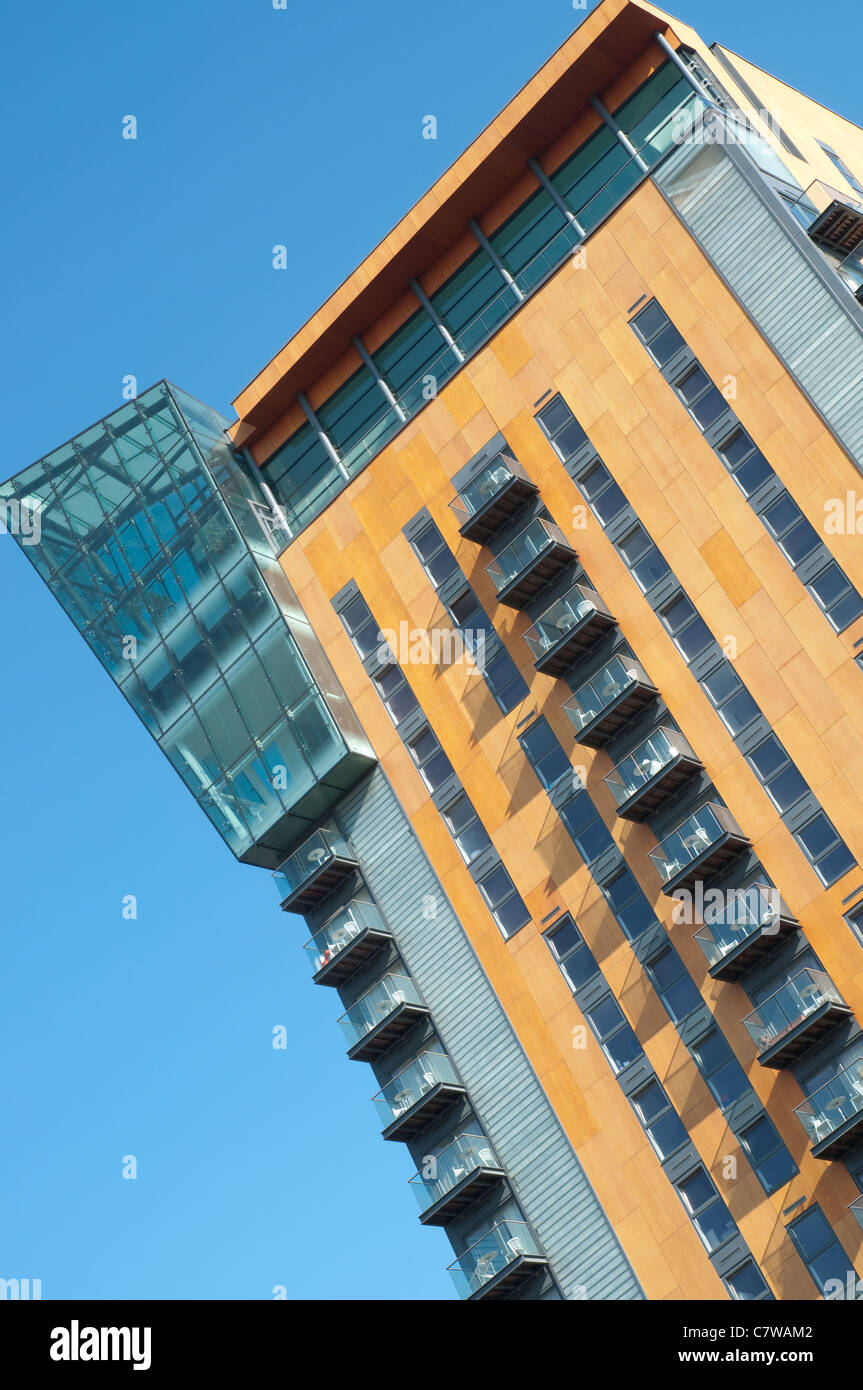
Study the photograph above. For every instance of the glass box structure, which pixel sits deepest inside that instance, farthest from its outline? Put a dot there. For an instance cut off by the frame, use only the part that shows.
(156, 538)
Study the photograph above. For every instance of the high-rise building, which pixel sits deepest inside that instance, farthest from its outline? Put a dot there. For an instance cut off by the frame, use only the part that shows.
(516, 625)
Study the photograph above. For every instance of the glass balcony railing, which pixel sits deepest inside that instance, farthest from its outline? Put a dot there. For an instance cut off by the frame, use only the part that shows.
(493, 483)
(469, 1153)
(817, 198)
(419, 1079)
(784, 1011)
(378, 1004)
(621, 675)
(646, 762)
(836, 1106)
(563, 618)
(748, 913)
(308, 872)
(537, 540)
(834, 220)
(344, 928)
(505, 1245)
(694, 841)
(856, 1209)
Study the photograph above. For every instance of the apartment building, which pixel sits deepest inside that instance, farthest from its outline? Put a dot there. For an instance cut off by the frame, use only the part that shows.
(515, 625)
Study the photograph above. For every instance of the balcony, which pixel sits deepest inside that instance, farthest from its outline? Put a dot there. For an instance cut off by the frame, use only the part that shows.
(498, 1264)
(702, 845)
(833, 1115)
(645, 779)
(381, 1016)
(856, 1209)
(418, 1095)
(605, 704)
(463, 1172)
(524, 567)
(346, 942)
(492, 498)
(321, 863)
(799, 1014)
(566, 629)
(833, 218)
(751, 923)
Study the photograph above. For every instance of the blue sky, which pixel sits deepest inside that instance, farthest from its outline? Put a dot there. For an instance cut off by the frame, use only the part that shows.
(153, 258)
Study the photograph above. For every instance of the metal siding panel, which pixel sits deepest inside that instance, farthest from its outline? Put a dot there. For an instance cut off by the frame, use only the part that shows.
(550, 1183)
(784, 295)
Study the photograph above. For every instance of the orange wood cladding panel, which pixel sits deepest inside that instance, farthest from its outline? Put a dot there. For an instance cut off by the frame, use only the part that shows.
(573, 336)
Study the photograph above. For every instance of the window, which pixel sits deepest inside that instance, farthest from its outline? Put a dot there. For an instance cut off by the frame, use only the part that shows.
(787, 524)
(660, 1120)
(819, 1249)
(646, 564)
(435, 555)
(466, 828)
(842, 167)
(720, 1068)
(746, 464)
(544, 753)
(780, 778)
(614, 1034)
(500, 672)
(629, 905)
(690, 633)
(710, 1216)
(854, 918)
(396, 693)
(505, 681)
(830, 856)
(701, 398)
(602, 492)
(770, 1159)
(674, 985)
(468, 614)
(747, 1283)
(561, 428)
(837, 596)
(734, 704)
(589, 833)
(658, 334)
(361, 626)
(574, 957)
(434, 766)
(504, 902)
